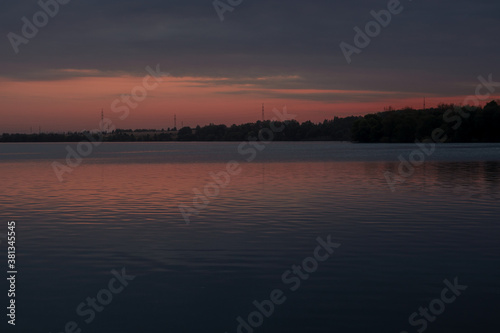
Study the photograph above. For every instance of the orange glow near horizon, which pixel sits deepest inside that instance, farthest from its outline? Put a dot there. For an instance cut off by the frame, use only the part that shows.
(75, 104)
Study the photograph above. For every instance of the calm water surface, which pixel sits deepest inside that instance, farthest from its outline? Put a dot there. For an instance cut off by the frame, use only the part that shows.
(120, 208)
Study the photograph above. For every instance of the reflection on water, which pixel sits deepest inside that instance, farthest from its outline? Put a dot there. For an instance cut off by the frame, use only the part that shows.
(121, 210)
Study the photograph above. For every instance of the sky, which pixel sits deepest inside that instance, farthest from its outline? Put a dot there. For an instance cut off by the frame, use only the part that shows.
(92, 53)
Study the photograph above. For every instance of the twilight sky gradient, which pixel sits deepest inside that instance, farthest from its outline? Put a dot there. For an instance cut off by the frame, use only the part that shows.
(276, 52)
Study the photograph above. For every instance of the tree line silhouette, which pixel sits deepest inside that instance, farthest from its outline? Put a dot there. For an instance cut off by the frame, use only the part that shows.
(338, 129)
(459, 124)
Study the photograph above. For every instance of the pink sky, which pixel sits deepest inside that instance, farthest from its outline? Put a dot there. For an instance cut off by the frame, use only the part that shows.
(75, 104)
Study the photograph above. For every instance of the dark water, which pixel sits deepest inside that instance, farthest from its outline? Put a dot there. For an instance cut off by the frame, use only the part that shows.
(120, 209)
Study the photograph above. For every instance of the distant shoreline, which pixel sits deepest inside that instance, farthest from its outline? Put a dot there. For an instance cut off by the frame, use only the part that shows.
(444, 124)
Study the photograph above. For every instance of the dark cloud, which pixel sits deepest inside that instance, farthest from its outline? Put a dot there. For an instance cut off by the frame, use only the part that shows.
(431, 47)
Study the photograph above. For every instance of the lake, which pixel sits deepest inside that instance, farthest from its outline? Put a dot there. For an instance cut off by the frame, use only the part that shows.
(306, 237)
